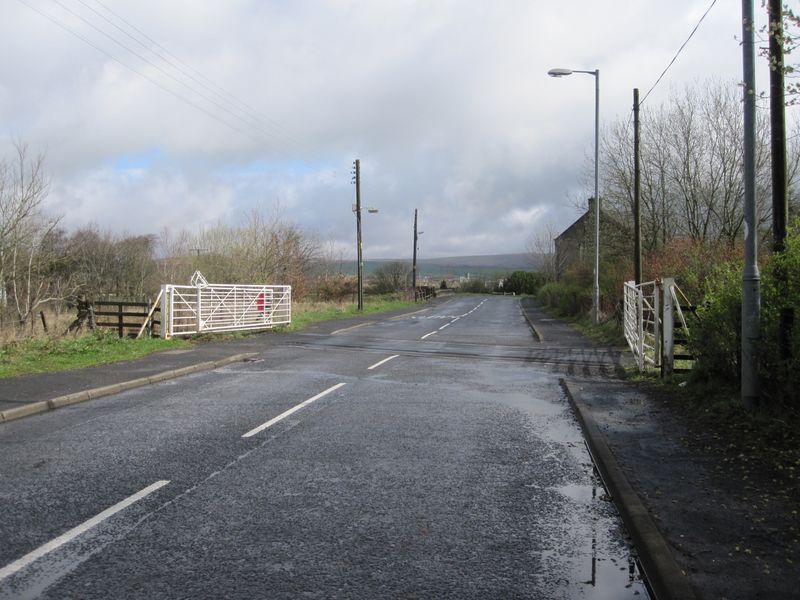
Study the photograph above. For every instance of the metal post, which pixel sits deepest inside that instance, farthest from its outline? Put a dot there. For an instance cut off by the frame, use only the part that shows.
(414, 261)
(596, 286)
(751, 279)
(637, 208)
(596, 294)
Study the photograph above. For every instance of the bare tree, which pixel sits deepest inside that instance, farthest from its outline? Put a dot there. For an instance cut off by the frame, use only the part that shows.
(391, 277)
(542, 251)
(27, 236)
(691, 176)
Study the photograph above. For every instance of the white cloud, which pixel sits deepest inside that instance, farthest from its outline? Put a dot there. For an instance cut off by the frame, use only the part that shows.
(446, 103)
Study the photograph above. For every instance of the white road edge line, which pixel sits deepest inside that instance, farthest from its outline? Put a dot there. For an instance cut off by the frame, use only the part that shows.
(292, 410)
(427, 335)
(70, 535)
(382, 362)
(443, 326)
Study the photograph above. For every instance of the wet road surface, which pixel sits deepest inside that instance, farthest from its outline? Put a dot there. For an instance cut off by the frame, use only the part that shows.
(431, 455)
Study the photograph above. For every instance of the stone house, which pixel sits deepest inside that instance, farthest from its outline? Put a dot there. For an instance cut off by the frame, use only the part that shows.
(575, 245)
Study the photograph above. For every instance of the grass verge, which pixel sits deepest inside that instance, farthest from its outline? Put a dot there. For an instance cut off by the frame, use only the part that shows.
(306, 314)
(46, 354)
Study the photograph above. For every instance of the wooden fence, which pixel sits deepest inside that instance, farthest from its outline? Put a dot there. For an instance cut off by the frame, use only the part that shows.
(126, 317)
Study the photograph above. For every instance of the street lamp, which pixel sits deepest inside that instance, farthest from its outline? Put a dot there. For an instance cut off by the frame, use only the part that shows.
(596, 289)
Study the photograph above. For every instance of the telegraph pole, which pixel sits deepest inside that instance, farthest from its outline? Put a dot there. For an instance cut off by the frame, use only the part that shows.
(637, 207)
(414, 261)
(357, 210)
(780, 188)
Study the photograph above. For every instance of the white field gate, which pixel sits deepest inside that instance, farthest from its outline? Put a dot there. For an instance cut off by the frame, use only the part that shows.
(655, 324)
(205, 307)
(642, 320)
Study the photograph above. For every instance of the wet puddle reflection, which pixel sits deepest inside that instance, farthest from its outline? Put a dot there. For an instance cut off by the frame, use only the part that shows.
(602, 563)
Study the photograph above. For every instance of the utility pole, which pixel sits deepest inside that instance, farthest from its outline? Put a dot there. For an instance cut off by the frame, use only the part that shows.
(777, 113)
(414, 261)
(751, 279)
(780, 189)
(637, 207)
(357, 210)
(596, 287)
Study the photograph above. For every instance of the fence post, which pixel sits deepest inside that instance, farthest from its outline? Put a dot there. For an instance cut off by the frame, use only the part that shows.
(166, 313)
(150, 321)
(199, 309)
(640, 326)
(120, 321)
(657, 355)
(667, 364)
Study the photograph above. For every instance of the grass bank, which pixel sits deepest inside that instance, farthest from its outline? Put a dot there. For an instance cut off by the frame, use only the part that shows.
(46, 354)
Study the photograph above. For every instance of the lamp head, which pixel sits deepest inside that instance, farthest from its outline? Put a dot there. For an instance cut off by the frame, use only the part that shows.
(559, 72)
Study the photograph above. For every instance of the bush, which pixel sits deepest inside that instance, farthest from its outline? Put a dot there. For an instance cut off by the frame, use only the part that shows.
(337, 288)
(475, 286)
(567, 299)
(523, 282)
(690, 262)
(779, 351)
(716, 337)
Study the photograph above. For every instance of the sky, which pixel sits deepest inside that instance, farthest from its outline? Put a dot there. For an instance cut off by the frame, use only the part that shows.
(182, 114)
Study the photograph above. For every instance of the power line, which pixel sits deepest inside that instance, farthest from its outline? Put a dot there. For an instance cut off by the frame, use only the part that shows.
(677, 54)
(145, 76)
(154, 65)
(130, 68)
(182, 67)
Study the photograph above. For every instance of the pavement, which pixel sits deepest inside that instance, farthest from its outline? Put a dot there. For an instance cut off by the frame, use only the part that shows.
(694, 525)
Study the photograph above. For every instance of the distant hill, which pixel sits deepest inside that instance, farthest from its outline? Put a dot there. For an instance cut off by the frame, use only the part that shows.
(512, 262)
(455, 266)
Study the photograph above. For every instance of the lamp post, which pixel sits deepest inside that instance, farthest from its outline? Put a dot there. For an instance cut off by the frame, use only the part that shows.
(596, 288)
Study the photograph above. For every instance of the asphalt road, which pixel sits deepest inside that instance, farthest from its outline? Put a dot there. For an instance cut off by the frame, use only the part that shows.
(431, 455)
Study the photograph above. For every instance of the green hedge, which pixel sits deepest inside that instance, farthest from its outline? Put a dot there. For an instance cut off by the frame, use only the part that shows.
(716, 337)
(566, 299)
(523, 282)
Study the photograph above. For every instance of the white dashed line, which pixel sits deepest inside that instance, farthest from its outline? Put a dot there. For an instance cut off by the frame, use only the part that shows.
(384, 361)
(428, 335)
(292, 410)
(70, 535)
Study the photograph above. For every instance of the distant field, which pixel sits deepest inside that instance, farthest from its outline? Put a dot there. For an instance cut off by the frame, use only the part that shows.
(452, 267)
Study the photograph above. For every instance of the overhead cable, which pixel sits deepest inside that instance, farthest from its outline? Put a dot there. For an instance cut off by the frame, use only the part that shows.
(677, 54)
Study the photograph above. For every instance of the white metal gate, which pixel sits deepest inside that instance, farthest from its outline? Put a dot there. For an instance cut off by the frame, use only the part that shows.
(642, 322)
(204, 307)
(650, 312)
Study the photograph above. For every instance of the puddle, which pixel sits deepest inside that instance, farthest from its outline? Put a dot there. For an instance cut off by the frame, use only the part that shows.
(597, 561)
